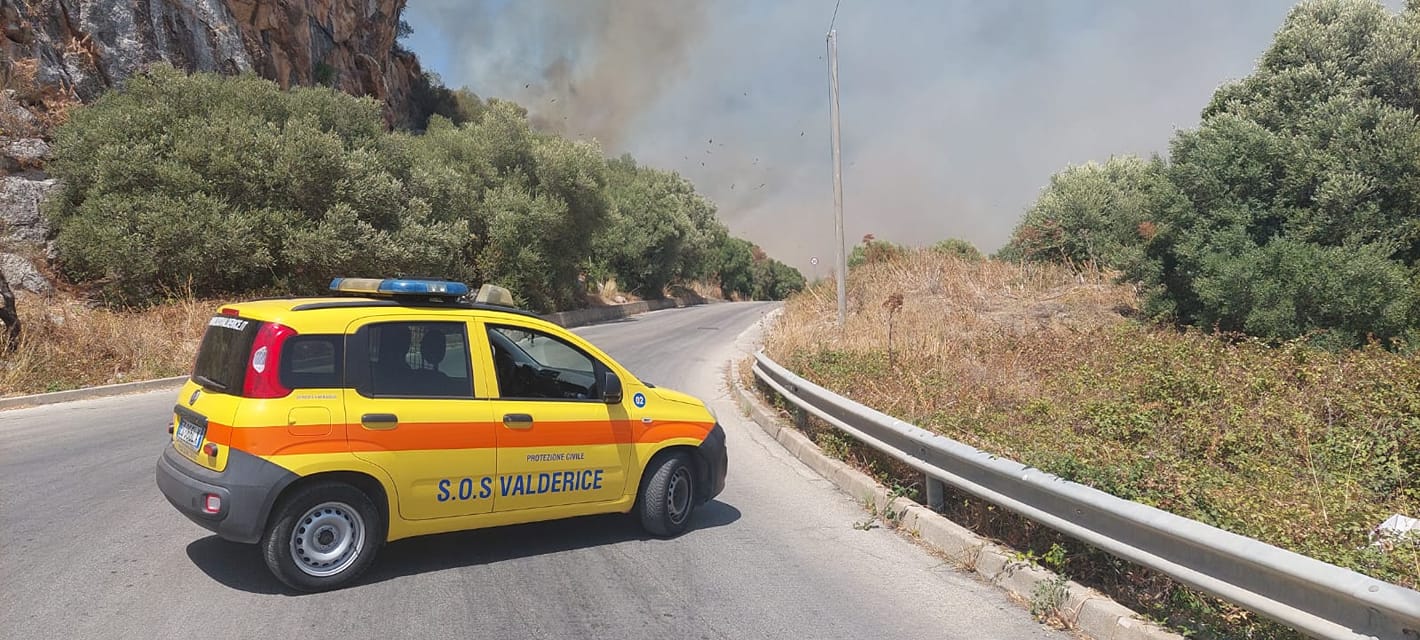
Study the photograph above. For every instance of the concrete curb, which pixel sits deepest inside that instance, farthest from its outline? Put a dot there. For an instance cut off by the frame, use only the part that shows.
(105, 391)
(568, 319)
(593, 315)
(1085, 610)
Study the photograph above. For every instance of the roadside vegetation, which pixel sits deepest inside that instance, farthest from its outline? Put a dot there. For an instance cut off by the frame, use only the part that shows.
(69, 344)
(1299, 446)
(230, 186)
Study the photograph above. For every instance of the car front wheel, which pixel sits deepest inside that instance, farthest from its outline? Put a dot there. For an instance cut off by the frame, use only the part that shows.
(322, 537)
(668, 496)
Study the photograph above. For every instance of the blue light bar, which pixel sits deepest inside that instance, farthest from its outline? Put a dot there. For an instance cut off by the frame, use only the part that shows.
(399, 287)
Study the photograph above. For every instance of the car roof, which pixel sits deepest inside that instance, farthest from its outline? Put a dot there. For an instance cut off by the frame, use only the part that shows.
(332, 314)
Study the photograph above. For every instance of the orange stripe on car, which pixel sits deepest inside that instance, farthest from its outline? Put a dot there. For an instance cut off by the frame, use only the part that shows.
(421, 436)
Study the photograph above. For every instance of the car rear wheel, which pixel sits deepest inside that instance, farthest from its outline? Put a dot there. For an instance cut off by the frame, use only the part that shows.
(322, 537)
(668, 495)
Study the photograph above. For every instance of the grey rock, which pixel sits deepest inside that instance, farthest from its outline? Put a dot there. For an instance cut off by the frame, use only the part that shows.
(27, 151)
(86, 47)
(17, 120)
(22, 274)
(117, 38)
(82, 76)
(20, 198)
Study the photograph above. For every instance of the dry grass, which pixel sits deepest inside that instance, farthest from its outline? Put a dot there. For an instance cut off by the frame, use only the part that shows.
(982, 324)
(608, 293)
(17, 82)
(19, 76)
(1302, 448)
(67, 344)
(695, 290)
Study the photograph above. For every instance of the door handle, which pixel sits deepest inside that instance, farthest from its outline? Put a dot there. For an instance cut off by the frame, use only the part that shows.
(517, 421)
(379, 421)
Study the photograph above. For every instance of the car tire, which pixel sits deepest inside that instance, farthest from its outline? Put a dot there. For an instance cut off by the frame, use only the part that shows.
(667, 498)
(322, 537)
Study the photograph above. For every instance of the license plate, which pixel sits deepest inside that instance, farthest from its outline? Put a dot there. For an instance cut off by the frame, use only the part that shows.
(190, 433)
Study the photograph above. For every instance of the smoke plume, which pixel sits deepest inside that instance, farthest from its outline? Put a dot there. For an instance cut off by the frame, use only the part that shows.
(955, 113)
(583, 69)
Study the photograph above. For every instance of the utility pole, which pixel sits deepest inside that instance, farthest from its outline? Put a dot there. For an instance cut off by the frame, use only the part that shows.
(840, 264)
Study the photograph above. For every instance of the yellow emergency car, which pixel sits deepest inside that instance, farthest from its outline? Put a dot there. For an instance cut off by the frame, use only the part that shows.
(320, 428)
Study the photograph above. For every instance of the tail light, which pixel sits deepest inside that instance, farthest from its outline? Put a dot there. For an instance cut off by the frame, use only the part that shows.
(263, 378)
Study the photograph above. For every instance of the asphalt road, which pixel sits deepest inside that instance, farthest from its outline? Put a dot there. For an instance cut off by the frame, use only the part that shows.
(90, 549)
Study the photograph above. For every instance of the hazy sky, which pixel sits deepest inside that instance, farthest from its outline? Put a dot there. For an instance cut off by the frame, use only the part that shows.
(954, 113)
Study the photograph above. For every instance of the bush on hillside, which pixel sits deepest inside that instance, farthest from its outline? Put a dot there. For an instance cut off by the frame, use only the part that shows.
(959, 248)
(1100, 214)
(873, 250)
(217, 186)
(431, 98)
(221, 185)
(1339, 296)
(774, 280)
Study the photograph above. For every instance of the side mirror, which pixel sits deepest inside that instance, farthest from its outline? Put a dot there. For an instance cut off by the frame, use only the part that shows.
(611, 388)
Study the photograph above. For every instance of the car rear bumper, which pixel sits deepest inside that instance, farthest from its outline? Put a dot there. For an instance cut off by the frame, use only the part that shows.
(248, 488)
(715, 462)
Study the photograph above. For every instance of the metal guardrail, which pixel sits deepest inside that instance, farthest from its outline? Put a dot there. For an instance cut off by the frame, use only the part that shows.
(1306, 594)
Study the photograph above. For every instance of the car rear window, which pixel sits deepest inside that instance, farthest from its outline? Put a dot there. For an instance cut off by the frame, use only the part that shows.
(222, 357)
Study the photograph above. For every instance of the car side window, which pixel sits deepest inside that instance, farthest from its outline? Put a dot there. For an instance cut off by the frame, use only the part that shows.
(418, 360)
(312, 362)
(533, 365)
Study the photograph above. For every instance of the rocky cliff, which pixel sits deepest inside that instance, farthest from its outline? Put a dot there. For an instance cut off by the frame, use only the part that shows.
(23, 186)
(57, 50)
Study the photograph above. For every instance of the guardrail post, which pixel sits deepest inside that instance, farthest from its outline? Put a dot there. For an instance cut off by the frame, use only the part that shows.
(936, 494)
(801, 417)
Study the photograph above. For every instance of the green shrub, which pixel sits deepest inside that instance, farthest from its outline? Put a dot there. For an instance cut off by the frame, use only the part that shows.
(1099, 214)
(1342, 296)
(873, 250)
(734, 266)
(774, 280)
(959, 248)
